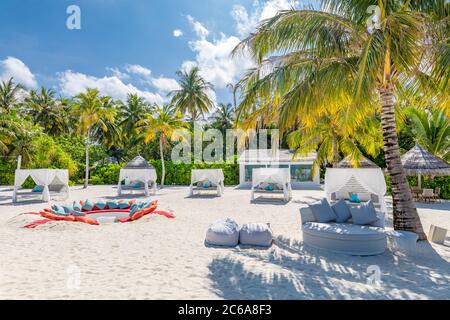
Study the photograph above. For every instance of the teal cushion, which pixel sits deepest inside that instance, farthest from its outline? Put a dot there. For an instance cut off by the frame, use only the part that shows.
(87, 205)
(112, 204)
(136, 185)
(354, 198)
(76, 206)
(100, 205)
(68, 208)
(206, 184)
(124, 205)
(269, 187)
(59, 210)
(37, 189)
(134, 208)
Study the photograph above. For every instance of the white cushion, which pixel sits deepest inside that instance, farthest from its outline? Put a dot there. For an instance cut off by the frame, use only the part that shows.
(344, 231)
(256, 234)
(364, 196)
(223, 233)
(342, 194)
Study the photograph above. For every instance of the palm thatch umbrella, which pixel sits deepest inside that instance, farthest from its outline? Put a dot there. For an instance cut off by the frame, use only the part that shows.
(363, 163)
(418, 162)
(138, 163)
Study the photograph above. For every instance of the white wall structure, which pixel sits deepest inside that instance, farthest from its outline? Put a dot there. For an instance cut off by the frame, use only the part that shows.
(299, 167)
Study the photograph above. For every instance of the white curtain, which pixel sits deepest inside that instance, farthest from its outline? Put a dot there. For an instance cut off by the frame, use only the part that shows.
(215, 176)
(143, 175)
(42, 177)
(372, 179)
(281, 176)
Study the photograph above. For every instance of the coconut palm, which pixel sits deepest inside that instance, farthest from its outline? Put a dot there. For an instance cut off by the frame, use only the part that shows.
(192, 97)
(223, 117)
(162, 124)
(310, 57)
(432, 130)
(9, 95)
(9, 125)
(134, 110)
(234, 89)
(95, 113)
(332, 134)
(51, 114)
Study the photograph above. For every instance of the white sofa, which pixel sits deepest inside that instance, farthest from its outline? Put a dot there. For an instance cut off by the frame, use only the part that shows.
(346, 238)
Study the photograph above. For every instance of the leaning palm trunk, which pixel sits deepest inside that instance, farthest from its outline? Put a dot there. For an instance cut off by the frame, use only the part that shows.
(405, 212)
(163, 167)
(86, 177)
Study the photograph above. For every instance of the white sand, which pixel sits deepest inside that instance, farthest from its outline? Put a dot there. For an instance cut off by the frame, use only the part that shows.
(160, 258)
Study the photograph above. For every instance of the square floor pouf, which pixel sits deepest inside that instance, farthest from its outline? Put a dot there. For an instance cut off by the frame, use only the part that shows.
(404, 241)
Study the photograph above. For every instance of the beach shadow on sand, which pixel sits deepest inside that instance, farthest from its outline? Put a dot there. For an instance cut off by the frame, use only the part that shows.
(291, 270)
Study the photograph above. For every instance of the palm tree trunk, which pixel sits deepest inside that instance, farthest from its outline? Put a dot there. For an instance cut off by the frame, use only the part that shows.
(404, 209)
(335, 151)
(86, 177)
(163, 166)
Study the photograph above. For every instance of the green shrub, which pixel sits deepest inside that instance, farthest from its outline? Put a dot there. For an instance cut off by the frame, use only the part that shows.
(427, 183)
(176, 174)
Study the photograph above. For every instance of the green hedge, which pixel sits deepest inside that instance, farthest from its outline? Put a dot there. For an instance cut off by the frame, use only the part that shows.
(176, 174)
(441, 182)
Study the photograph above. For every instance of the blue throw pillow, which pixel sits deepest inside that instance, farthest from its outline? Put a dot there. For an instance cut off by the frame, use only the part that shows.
(58, 210)
(364, 214)
(269, 187)
(322, 211)
(37, 189)
(206, 184)
(354, 198)
(76, 206)
(68, 208)
(124, 205)
(112, 204)
(136, 184)
(341, 211)
(87, 205)
(100, 205)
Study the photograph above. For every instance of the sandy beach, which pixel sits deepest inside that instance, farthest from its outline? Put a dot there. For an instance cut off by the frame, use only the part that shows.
(160, 258)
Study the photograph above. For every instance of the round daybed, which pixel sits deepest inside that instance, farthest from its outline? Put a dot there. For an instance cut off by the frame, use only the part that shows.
(346, 238)
(99, 212)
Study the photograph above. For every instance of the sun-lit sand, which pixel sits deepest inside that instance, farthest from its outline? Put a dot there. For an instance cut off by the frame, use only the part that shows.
(160, 258)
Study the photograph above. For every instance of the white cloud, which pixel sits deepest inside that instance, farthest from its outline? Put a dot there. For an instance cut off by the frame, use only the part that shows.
(117, 73)
(73, 83)
(165, 85)
(14, 68)
(177, 33)
(138, 70)
(199, 28)
(214, 60)
(247, 22)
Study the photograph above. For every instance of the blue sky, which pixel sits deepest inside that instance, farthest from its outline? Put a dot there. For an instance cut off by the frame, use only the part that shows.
(127, 46)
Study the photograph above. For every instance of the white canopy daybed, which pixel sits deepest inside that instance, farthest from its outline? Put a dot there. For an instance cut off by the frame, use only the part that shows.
(213, 176)
(279, 176)
(137, 170)
(339, 182)
(52, 181)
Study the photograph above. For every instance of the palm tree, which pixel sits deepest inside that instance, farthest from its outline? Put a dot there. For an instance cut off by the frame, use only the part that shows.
(50, 113)
(234, 89)
(332, 134)
(8, 95)
(95, 113)
(432, 130)
(134, 110)
(165, 121)
(9, 125)
(192, 97)
(309, 57)
(223, 117)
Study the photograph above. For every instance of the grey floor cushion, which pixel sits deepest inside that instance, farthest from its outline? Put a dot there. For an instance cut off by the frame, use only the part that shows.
(223, 233)
(256, 234)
